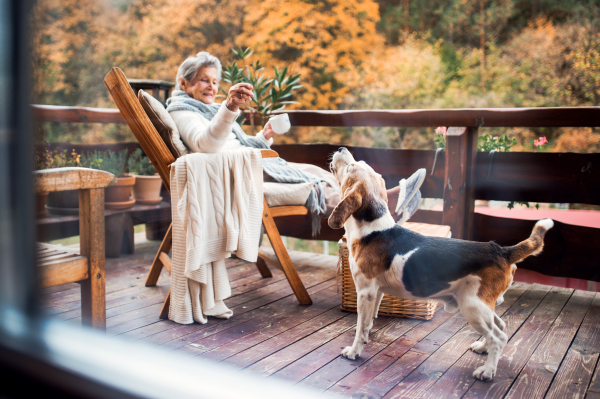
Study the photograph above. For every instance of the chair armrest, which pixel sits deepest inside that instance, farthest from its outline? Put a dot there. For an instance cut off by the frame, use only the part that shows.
(62, 179)
(269, 154)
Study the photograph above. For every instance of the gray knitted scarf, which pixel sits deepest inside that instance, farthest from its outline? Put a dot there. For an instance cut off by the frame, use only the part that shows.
(277, 168)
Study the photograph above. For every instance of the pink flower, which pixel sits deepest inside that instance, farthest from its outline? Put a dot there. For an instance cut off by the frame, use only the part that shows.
(441, 129)
(541, 141)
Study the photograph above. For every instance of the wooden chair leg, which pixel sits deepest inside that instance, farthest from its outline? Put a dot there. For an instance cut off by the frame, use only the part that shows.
(158, 264)
(164, 312)
(284, 258)
(91, 230)
(262, 267)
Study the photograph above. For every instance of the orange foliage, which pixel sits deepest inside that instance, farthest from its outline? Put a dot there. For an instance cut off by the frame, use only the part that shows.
(326, 42)
(160, 34)
(66, 39)
(586, 140)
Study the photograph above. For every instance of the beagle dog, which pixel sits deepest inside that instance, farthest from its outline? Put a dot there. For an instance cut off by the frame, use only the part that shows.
(388, 259)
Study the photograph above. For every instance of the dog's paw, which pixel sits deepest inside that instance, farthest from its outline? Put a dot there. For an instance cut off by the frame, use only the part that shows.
(500, 300)
(350, 353)
(478, 347)
(484, 373)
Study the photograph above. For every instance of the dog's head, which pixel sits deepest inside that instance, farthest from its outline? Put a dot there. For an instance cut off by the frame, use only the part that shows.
(363, 190)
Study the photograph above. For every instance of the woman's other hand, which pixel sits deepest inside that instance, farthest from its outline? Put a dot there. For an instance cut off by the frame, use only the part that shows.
(268, 131)
(238, 95)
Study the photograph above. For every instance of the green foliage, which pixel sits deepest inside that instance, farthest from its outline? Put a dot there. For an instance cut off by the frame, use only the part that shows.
(351, 54)
(108, 161)
(440, 140)
(56, 159)
(511, 204)
(270, 94)
(485, 142)
(139, 164)
(458, 22)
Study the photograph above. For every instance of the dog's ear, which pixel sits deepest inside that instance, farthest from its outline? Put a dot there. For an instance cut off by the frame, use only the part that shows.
(382, 184)
(348, 205)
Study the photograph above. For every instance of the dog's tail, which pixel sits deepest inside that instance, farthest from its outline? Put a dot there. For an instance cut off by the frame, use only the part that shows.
(531, 246)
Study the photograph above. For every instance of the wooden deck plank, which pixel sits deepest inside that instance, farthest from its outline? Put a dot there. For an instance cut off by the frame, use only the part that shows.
(134, 332)
(411, 351)
(293, 335)
(458, 379)
(576, 370)
(140, 303)
(536, 376)
(445, 353)
(522, 345)
(323, 367)
(151, 319)
(173, 335)
(274, 336)
(593, 391)
(115, 308)
(322, 302)
(275, 327)
(134, 277)
(317, 334)
(366, 372)
(320, 358)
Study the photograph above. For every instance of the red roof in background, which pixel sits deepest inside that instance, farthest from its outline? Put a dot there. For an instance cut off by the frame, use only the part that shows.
(570, 216)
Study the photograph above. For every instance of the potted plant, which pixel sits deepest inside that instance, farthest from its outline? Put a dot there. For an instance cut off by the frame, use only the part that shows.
(147, 182)
(270, 94)
(118, 194)
(60, 202)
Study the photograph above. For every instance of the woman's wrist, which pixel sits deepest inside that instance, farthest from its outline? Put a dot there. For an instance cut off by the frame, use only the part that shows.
(232, 106)
(268, 134)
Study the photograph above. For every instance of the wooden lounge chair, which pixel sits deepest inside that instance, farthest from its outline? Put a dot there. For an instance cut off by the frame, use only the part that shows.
(162, 157)
(59, 265)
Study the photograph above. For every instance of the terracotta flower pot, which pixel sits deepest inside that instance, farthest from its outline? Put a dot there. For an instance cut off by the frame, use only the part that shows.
(118, 195)
(40, 204)
(63, 202)
(147, 189)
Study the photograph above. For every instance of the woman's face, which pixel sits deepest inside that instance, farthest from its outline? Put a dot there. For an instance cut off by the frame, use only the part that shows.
(204, 86)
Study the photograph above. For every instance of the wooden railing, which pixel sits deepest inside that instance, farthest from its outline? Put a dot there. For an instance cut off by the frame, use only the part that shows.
(461, 174)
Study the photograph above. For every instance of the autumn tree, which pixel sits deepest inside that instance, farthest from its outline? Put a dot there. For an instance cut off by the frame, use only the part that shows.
(66, 38)
(327, 42)
(160, 34)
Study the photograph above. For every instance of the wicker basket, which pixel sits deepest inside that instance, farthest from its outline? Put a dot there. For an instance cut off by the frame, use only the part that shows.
(390, 306)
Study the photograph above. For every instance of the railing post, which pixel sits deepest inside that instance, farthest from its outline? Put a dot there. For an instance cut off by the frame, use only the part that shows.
(459, 181)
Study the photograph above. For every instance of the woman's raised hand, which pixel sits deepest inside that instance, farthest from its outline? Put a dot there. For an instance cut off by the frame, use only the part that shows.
(238, 95)
(268, 131)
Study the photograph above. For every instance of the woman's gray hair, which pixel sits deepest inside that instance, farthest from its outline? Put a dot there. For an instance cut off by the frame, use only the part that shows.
(192, 65)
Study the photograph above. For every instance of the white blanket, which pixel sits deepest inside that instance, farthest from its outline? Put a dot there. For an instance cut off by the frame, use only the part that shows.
(217, 202)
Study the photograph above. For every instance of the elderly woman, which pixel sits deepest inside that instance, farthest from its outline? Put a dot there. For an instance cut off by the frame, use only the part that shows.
(208, 127)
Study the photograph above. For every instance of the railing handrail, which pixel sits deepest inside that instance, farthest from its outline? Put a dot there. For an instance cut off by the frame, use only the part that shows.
(467, 117)
(59, 113)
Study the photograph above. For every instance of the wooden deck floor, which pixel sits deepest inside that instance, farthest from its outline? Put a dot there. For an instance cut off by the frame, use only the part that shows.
(552, 350)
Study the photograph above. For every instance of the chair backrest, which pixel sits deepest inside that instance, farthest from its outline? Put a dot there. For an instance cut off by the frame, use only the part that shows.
(139, 123)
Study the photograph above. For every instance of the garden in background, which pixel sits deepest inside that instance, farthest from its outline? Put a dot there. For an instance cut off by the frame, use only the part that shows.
(349, 54)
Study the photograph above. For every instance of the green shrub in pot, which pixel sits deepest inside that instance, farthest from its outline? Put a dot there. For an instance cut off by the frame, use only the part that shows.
(108, 161)
(118, 194)
(139, 164)
(147, 183)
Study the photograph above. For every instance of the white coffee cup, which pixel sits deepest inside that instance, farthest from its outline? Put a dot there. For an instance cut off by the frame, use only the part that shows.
(280, 123)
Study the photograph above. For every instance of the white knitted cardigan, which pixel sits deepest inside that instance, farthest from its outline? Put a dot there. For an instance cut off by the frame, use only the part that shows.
(217, 202)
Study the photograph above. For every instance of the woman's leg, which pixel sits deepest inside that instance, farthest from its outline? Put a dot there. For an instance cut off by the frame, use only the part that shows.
(332, 195)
